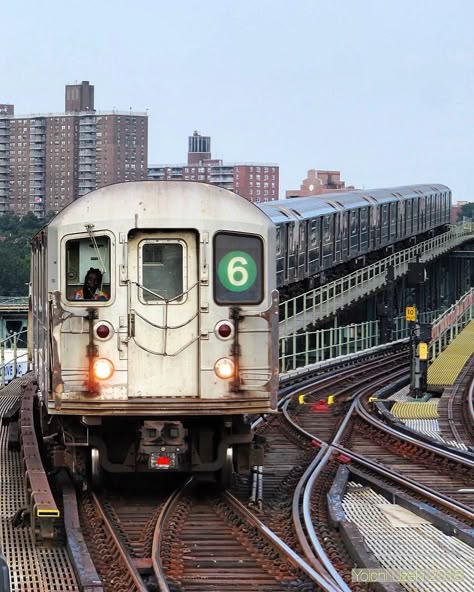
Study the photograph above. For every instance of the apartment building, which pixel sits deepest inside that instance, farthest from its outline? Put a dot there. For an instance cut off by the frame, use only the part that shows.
(49, 160)
(256, 182)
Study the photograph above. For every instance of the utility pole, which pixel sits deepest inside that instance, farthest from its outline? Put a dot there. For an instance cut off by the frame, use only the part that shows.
(420, 333)
(386, 310)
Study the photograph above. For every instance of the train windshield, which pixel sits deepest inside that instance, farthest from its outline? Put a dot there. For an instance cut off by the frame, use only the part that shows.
(162, 270)
(88, 268)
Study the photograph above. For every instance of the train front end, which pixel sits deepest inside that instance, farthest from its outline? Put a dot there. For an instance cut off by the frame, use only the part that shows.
(157, 365)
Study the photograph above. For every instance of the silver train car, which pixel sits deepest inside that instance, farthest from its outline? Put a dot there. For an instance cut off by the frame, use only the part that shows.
(154, 329)
(317, 235)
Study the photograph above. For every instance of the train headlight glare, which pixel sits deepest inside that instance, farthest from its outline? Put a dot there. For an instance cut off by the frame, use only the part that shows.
(103, 369)
(224, 368)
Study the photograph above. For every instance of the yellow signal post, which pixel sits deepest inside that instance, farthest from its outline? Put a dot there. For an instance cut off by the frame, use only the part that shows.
(301, 400)
(423, 351)
(331, 400)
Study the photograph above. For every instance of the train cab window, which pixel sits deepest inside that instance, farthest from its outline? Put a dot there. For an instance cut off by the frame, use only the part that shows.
(162, 271)
(88, 268)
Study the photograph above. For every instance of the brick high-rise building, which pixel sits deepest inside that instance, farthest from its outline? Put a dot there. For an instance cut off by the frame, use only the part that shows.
(79, 97)
(47, 161)
(256, 182)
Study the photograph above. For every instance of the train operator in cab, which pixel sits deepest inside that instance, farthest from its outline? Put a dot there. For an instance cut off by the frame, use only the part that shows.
(92, 289)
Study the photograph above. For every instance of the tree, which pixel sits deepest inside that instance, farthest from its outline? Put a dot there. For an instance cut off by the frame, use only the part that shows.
(467, 210)
(15, 236)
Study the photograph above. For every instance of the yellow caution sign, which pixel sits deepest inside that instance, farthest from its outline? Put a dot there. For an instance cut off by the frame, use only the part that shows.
(331, 400)
(423, 351)
(301, 400)
(410, 313)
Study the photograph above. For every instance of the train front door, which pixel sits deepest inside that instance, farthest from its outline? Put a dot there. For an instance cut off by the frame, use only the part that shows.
(163, 304)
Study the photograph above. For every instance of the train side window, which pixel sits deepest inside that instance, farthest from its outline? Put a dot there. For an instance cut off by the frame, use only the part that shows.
(162, 271)
(363, 219)
(384, 215)
(353, 222)
(301, 235)
(278, 240)
(326, 229)
(314, 232)
(88, 268)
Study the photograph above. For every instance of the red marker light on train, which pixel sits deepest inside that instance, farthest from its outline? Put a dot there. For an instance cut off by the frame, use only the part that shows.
(102, 331)
(163, 461)
(224, 329)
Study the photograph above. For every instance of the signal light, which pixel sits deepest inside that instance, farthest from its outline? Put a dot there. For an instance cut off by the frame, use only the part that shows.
(102, 331)
(224, 368)
(224, 329)
(103, 369)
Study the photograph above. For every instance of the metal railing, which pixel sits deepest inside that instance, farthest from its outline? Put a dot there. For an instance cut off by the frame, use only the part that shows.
(451, 322)
(9, 345)
(311, 347)
(324, 301)
(14, 300)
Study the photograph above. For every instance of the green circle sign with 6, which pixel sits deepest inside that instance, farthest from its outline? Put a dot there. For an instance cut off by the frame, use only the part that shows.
(237, 271)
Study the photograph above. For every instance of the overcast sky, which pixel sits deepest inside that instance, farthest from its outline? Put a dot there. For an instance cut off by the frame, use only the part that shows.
(379, 89)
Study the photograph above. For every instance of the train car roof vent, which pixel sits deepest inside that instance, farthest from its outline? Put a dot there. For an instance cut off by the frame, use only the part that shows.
(337, 205)
(283, 211)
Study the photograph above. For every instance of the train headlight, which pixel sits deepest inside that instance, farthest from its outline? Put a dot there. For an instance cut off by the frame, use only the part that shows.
(103, 369)
(224, 330)
(224, 368)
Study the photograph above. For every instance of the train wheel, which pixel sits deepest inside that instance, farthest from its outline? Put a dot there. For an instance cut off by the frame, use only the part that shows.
(225, 475)
(96, 469)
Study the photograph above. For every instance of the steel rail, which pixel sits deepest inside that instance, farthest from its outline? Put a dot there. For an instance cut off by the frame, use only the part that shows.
(470, 403)
(165, 514)
(319, 578)
(412, 439)
(307, 482)
(132, 570)
(467, 369)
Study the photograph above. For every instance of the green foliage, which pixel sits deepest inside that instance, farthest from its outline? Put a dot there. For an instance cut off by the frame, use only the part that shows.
(466, 210)
(15, 236)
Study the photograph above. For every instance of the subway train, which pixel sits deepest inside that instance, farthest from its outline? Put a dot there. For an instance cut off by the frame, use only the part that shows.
(154, 330)
(317, 237)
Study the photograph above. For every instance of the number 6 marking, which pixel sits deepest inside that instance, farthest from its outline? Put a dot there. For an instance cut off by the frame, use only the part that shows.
(233, 268)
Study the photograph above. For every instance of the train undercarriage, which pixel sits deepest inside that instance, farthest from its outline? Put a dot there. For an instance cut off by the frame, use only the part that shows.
(210, 448)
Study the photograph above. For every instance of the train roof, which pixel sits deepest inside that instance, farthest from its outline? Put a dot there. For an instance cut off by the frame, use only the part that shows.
(362, 197)
(149, 203)
(300, 207)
